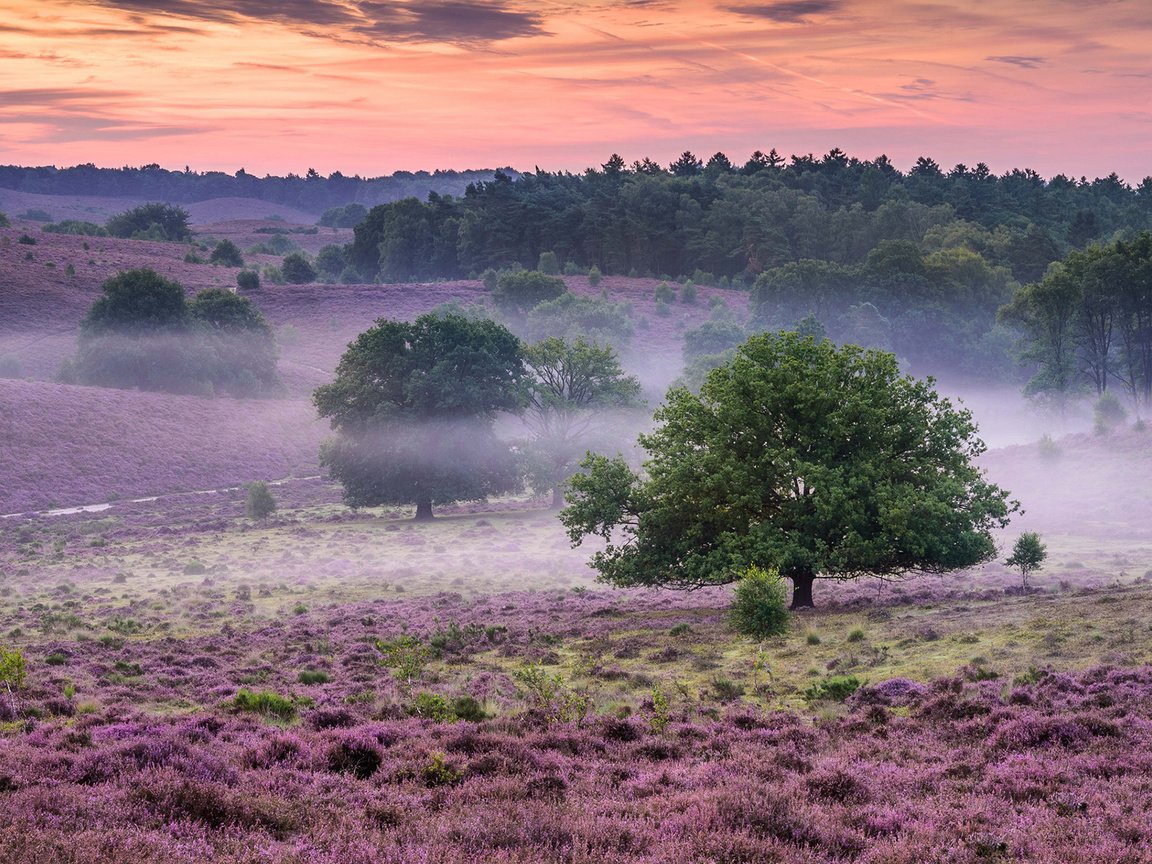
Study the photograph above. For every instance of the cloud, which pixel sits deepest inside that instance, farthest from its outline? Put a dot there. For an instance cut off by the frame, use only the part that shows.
(452, 21)
(1022, 62)
(788, 12)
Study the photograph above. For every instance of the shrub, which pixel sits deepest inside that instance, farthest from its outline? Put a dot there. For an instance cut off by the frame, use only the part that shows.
(1109, 413)
(856, 635)
(12, 669)
(330, 260)
(407, 655)
(27, 241)
(469, 709)
(260, 503)
(248, 280)
(490, 279)
(548, 264)
(1048, 449)
(4, 221)
(836, 688)
(56, 658)
(594, 276)
(76, 227)
(227, 254)
(151, 222)
(297, 270)
(570, 317)
(314, 676)
(571, 268)
(266, 703)
(551, 696)
(519, 291)
(359, 758)
(432, 706)
(688, 293)
(759, 604)
(437, 771)
(727, 690)
(34, 214)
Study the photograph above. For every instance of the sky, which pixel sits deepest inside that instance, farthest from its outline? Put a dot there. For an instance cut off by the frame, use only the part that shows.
(368, 87)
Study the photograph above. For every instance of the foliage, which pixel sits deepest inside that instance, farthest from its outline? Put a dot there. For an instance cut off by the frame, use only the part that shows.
(518, 291)
(35, 214)
(1088, 323)
(1028, 554)
(330, 261)
(5, 222)
(835, 688)
(259, 504)
(74, 226)
(313, 676)
(548, 264)
(297, 269)
(551, 696)
(759, 604)
(817, 460)
(266, 703)
(143, 333)
(348, 216)
(12, 668)
(594, 276)
(248, 280)
(712, 338)
(1108, 413)
(156, 221)
(571, 316)
(227, 254)
(407, 655)
(413, 407)
(573, 391)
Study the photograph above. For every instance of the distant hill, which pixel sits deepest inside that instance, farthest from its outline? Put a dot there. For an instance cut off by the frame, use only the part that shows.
(309, 194)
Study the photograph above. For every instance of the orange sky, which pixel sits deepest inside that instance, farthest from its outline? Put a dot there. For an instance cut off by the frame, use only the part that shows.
(368, 88)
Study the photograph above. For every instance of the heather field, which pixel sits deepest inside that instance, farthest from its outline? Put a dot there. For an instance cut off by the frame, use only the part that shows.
(337, 686)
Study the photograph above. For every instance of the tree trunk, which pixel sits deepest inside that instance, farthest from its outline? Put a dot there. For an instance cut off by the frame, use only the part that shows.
(557, 496)
(802, 590)
(424, 510)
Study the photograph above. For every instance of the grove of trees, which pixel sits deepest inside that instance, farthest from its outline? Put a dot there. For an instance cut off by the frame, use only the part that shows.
(144, 333)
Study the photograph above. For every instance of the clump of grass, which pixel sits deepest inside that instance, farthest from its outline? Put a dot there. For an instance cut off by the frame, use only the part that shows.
(266, 703)
(314, 676)
(856, 635)
(812, 639)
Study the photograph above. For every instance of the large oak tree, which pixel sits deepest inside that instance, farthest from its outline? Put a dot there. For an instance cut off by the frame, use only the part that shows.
(822, 462)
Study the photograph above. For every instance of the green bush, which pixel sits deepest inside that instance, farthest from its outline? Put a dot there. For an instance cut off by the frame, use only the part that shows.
(432, 706)
(297, 269)
(76, 227)
(490, 278)
(348, 216)
(760, 604)
(4, 221)
(266, 703)
(260, 503)
(1109, 413)
(330, 261)
(248, 280)
(12, 668)
(227, 254)
(688, 293)
(154, 221)
(548, 264)
(594, 276)
(727, 690)
(664, 293)
(35, 214)
(314, 676)
(836, 688)
(519, 291)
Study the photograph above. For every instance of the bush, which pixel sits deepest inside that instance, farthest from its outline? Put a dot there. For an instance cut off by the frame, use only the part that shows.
(265, 703)
(25, 240)
(4, 221)
(519, 291)
(359, 758)
(688, 293)
(297, 270)
(1048, 449)
(260, 503)
(548, 264)
(12, 668)
(836, 688)
(571, 268)
(34, 214)
(227, 254)
(490, 279)
(1109, 413)
(313, 676)
(664, 293)
(594, 276)
(151, 222)
(330, 260)
(76, 227)
(570, 317)
(248, 280)
(760, 604)
(432, 706)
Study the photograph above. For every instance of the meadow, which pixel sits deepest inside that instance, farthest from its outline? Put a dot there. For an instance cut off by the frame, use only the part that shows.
(330, 685)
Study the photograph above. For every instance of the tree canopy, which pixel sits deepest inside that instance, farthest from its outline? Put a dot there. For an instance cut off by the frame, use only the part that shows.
(819, 461)
(155, 221)
(574, 389)
(413, 406)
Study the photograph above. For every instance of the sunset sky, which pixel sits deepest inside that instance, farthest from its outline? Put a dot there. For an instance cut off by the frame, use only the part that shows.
(277, 86)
